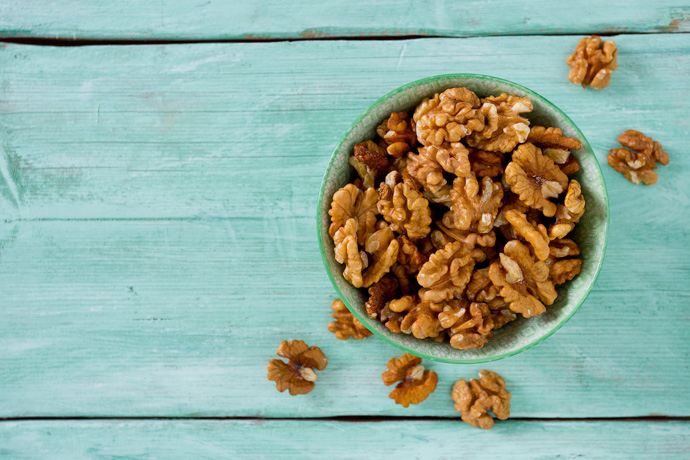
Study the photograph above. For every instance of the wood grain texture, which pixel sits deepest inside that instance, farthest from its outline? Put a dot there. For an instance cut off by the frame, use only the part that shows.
(260, 439)
(159, 239)
(276, 19)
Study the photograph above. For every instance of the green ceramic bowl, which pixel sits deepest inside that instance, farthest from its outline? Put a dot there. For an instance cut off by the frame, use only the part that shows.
(590, 233)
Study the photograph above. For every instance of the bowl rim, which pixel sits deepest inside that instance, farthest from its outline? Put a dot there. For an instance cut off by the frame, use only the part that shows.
(354, 125)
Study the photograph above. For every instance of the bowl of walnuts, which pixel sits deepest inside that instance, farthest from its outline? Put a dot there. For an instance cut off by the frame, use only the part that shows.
(463, 218)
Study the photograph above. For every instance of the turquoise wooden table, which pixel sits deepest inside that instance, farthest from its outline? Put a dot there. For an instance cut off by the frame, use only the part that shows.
(159, 169)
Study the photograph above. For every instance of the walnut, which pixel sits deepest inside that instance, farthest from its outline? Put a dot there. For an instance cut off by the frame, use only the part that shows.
(365, 173)
(471, 238)
(351, 203)
(347, 252)
(571, 166)
(404, 207)
(426, 170)
(447, 117)
(470, 327)
(535, 178)
(504, 128)
(524, 282)
(345, 324)
(398, 132)
(420, 320)
(383, 248)
(561, 271)
(391, 319)
(297, 375)
(632, 165)
(470, 208)
(501, 317)
(416, 384)
(565, 270)
(552, 138)
(446, 273)
(486, 164)
(638, 142)
(381, 293)
(568, 213)
(476, 399)
(592, 65)
(638, 164)
(403, 278)
(427, 167)
(535, 234)
(442, 196)
(409, 255)
(371, 155)
(452, 312)
(481, 289)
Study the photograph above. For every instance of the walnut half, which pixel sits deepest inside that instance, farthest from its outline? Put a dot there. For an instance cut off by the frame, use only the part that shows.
(475, 399)
(591, 63)
(297, 375)
(416, 384)
(345, 324)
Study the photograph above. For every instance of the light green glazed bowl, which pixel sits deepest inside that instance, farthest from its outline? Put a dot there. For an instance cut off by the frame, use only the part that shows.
(590, 233)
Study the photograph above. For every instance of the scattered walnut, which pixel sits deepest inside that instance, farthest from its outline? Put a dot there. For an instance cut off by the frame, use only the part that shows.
(446, 273)
(345, 324)
(347, 252)
(638, 164)
(638, 142)
(632, 165)
(592, 64)
(416, 384)
(568, 213)
(552, 138)
(398, 132)
(470, 208)
(351, 203)
(297, 375)
(535, 178)
(535, 234)
(383, 248)
(476, 399)
(448, 117)
(409, 255)
(504, 128)
(486, 164)
(381, 293)
(405, 209)
(524, 282)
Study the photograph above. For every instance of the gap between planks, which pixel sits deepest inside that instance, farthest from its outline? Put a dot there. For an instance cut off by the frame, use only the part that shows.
(361, 419)
(67, 42)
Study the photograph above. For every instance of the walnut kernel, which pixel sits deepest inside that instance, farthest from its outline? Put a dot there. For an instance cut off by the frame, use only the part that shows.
(416, 383)
(297, 375)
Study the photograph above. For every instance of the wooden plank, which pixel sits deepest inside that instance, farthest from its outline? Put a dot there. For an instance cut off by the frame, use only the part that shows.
(158, 239)
(259, 439)
(276, 19)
